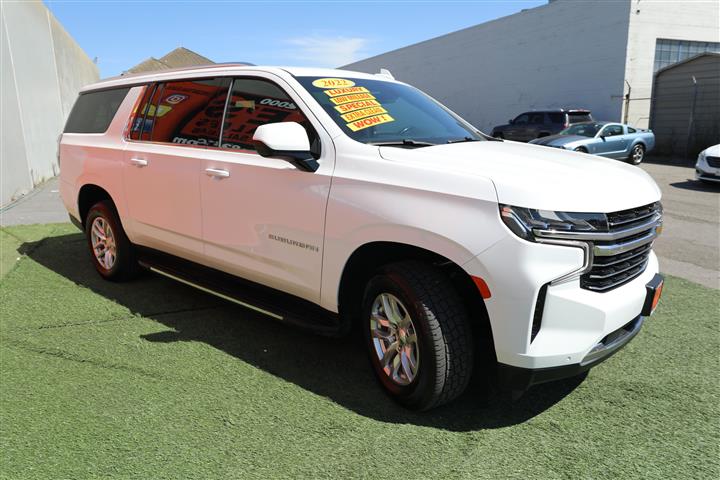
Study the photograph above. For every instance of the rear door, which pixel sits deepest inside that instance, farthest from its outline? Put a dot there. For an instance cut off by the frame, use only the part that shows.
(262, 218)
(162, 165)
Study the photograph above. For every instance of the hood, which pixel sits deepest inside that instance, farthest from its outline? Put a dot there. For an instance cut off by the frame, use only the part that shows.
(713, 151)
(558, 140)
(537, 177)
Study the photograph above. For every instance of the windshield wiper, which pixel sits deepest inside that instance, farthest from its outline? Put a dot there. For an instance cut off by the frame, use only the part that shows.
(464, 139)
(406, 142)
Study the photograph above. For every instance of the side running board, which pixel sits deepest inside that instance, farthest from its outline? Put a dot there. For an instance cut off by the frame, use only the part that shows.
(280, 306)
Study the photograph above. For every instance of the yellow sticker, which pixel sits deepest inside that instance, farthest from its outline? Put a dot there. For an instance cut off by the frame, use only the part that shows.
(333, 83)
(161, 110)
(349, 107)
(351, 98)
(365, 112)
(245, 104)
(369, 122)
(344, 91)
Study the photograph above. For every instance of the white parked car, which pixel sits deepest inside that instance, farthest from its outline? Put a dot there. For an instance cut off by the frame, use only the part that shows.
(329, 198)
(707, 167)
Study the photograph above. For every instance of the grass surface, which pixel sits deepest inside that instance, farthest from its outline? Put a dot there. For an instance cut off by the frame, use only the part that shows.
(154, 380)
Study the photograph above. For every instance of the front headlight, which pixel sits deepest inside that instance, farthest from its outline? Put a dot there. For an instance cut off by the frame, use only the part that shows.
(524, 221)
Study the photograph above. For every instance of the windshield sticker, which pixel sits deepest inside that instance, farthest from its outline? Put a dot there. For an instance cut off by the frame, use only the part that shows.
(349, 107)
(333, 83)
(351, 98)
(369, 122)
(365, 112)
(344, 91)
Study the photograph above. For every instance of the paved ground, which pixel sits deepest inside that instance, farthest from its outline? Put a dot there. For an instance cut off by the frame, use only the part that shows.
(42, 205)
(689, 247)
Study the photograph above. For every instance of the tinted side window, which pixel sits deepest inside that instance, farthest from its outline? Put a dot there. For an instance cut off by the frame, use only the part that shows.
(521, 119)
(557, 117)
(187, 112)
(143, 119)
(93, 111)
(536, 118)
(612, 130)
(579, 117)
(255, 102)
(631, 130)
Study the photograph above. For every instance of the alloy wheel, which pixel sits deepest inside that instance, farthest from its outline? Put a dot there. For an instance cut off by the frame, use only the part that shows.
(103, 243)
(394, 339)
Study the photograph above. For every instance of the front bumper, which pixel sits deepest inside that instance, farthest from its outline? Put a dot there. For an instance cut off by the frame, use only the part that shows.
(520, 379)
(707, 176)
(573, 321)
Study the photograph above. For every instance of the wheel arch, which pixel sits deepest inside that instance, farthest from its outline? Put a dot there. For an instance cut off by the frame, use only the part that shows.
(367, 258)
(88, 195)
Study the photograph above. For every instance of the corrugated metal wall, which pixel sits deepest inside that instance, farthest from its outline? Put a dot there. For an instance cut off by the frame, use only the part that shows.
(685, 115)
(42, 70)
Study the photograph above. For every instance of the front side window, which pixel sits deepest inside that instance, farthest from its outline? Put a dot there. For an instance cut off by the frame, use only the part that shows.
(612, 131)
(255, 102)
(521, 119)
(380, 112)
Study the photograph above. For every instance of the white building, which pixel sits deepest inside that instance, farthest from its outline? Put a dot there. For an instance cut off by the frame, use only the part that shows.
(42, 69)
(600, 55)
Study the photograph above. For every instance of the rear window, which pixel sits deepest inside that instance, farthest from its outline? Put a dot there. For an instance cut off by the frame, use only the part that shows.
(93, 111)
(577, 117)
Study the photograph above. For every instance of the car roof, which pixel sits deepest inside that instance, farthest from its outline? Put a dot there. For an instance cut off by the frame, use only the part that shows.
(225, 69)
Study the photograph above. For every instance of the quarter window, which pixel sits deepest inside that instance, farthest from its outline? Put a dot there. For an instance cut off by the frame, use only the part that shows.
(93, 111)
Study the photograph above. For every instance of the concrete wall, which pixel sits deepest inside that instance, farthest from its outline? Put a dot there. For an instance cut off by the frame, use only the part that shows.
(650, 20)
(680, 129)
(565, 53)
(42, 70)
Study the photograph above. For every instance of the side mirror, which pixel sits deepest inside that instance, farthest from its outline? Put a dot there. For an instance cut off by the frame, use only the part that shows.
(511, 121)
(285, 140)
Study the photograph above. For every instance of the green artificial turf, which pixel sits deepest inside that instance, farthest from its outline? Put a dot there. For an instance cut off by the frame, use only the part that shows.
(152, 380)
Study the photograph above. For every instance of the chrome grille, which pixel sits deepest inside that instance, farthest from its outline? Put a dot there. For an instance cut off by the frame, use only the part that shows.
(624, 255)
(713, 161)
(616, 252)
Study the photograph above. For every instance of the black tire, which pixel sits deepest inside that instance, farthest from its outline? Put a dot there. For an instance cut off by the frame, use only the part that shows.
(125, 265)
(641, 150)
(581, 150)
(444, 335)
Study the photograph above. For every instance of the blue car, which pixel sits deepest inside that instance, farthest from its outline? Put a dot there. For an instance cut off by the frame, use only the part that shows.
(612, 140)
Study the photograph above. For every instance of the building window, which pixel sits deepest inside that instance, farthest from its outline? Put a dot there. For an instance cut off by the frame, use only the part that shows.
(668, 52)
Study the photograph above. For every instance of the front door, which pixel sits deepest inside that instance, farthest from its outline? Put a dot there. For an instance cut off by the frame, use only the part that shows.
(612, 141)
(262, 218)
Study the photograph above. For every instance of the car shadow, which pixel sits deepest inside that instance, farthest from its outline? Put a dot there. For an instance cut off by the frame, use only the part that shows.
(337, 369)
(697, 186)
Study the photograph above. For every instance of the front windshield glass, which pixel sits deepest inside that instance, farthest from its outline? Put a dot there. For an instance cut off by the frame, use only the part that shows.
(379, 112)
(583, 129)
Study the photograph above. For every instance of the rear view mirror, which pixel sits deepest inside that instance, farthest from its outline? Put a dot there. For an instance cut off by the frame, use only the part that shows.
(285, 140)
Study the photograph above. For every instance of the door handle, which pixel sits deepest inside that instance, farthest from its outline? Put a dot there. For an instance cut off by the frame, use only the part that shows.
(217, 172)
(139, 162)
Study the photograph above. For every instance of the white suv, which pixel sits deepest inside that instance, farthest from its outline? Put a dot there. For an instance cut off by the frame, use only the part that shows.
(332, 198)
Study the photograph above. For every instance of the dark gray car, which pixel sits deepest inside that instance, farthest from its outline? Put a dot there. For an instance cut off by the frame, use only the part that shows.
(540, 123)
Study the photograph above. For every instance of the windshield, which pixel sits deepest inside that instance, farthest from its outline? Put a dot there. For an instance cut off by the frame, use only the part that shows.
(378, 112)
(583, 129)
